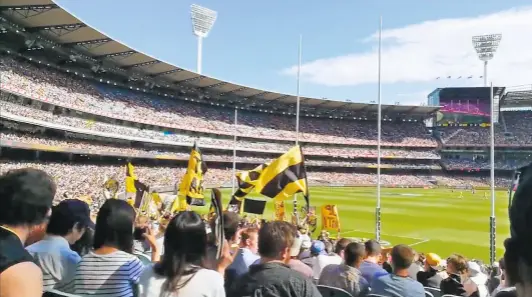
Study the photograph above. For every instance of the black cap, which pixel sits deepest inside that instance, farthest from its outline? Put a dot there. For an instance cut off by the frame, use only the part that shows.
(76, 209)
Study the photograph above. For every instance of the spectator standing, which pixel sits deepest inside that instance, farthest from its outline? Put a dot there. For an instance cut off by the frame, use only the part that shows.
(430, 276)
(272, 277)
(112, 258)
(247, 254)
(181, 271)
(347, 276)
(26, 197)
(69, 220)
(398, 283)
(370, 268)
(294, 261)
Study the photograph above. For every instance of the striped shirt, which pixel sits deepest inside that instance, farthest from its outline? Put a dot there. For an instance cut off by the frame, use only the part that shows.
(111, 275)
(56, 259)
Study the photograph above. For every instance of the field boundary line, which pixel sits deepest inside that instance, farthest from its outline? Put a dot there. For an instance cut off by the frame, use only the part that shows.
(419, 242)
(362, 231)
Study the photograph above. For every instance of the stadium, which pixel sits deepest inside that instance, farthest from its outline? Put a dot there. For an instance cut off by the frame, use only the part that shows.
(80, 105)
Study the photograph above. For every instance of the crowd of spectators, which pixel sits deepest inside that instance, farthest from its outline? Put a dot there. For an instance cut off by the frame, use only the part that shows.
(516, 130)
(470, 181)
(464, 164)
(88, 147)
(63, 248)
(8, 106)
(77, 180)
(76, 94)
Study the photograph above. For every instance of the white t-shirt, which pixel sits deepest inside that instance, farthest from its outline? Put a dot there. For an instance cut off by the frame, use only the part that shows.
(319, 262)
(204, 283)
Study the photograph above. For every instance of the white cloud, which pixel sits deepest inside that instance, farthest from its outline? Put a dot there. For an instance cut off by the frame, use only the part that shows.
(422, 52)
(415, 98)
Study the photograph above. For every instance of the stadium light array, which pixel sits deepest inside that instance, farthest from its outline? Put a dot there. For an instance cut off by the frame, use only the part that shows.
(202, 21)
(486, 46)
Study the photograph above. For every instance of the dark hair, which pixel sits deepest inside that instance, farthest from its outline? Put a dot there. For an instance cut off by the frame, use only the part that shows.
(63, 220)
(502, 264)
(246, 234)
(402, 256)
(354, 253)
(373, 248)
(231, 223)
(114, 225)
(459, 263)
(185, 243)
(275, 237)
(84, 244)
(26, 197)
(341, 244)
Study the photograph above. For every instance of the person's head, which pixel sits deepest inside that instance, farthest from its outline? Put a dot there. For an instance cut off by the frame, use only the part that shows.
(84, 245)
(432, 262)
(373, 250)
(142, 221)
(457, 264)
(402, 257)
(317, 248)
(26, 197)
(340, 246)
(114, 225)
(70, 218)
(250, 239)
(231, 224)
(518, 248)
(275, 240)
(185, 244)
(354, 254)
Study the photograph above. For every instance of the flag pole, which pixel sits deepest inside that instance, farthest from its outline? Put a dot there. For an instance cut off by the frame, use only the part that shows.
(298, 88)
(297, 112)
(234, 150)
(379, 119)
(492, 173)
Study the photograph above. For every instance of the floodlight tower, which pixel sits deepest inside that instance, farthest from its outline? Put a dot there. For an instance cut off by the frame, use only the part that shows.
(486, 46)
(202, 21)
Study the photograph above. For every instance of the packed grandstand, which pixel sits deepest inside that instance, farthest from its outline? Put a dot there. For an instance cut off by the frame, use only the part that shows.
(68, 107)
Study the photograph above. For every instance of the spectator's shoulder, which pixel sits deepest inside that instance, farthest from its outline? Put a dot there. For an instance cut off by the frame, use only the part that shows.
(211, 275)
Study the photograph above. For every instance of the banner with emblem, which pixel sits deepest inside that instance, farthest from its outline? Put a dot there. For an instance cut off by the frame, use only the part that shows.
(330, 220)
(279, 210)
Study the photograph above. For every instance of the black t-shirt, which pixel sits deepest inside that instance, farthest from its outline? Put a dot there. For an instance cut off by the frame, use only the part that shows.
(12, 251)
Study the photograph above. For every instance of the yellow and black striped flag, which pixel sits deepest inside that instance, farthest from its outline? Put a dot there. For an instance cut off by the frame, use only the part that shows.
(191, 186)
(278, 180)
(134, 188)
(130, 178)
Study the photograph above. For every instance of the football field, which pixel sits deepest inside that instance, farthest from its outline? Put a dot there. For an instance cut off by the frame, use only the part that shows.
(430, 220)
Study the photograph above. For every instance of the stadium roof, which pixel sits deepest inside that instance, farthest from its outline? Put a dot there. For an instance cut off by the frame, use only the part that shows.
(49, 20)
(520, 96)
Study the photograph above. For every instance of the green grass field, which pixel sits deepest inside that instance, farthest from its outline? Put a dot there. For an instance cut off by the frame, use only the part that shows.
(430, 220)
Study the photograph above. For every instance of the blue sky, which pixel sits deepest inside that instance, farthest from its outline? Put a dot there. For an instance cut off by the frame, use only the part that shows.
(255, 43)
